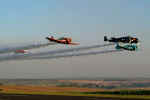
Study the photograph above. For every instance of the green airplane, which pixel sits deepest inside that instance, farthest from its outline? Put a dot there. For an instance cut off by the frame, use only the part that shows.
(129, 47)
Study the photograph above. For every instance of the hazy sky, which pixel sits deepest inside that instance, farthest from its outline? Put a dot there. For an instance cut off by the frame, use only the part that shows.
(25, 21)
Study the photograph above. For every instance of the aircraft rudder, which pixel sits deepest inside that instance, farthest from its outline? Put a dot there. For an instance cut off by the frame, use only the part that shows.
(105, 38)
(117, 46)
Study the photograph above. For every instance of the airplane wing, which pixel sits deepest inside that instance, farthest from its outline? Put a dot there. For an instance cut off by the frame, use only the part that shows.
(63, 42)
(74, 43)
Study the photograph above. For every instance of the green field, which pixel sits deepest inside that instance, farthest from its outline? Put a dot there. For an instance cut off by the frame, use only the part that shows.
(123, 94)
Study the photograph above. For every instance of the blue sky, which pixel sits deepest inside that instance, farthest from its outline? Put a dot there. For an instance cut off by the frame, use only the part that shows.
(32, 19)
(24, 21)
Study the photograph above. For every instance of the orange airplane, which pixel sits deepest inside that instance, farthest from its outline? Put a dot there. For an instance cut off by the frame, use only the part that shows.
(62, 40)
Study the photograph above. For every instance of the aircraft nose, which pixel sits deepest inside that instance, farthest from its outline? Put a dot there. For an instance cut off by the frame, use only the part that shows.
(137, 40)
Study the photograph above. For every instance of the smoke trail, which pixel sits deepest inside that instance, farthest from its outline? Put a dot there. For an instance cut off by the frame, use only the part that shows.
(57, 56)
(51, 53)
(76, 54)
(83, 48)
(34, 46)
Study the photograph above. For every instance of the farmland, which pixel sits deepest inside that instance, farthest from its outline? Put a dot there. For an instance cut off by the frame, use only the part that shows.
(84, 89)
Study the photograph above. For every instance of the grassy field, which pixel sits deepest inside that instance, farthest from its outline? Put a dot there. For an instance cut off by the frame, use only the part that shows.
(70, 91)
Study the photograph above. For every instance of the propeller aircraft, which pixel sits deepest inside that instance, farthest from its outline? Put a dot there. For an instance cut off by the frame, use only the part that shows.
(125, 39)
(62, 40)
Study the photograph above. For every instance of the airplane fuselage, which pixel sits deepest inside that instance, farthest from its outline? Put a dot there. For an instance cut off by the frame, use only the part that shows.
(63, 40)
(128, 47)
(127, 39)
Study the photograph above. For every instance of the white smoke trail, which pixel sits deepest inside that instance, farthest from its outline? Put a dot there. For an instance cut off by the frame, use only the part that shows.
(75, 54)
(64, 55)
(33, 46)
(83, 48)
(54, 54)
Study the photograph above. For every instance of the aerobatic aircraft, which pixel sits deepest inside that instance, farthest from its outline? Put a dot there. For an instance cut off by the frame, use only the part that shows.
(21, 51)
(129, 47)
(125, 39)
(62, 40)
(24, 49)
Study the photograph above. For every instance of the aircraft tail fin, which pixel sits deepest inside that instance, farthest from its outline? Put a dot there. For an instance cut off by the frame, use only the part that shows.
(105, 38)
(47, 38)
(117, 46)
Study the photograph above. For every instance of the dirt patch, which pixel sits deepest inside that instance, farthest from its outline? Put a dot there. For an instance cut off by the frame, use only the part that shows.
(45, 89)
